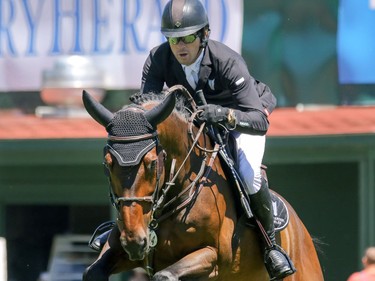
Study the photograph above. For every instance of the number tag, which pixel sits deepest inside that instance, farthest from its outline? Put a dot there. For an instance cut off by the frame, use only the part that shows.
(153, 238)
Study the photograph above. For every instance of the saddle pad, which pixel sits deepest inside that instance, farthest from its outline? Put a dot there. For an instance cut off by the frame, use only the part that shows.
(280, 214)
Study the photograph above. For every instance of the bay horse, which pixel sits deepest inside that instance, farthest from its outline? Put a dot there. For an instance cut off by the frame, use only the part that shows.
(177, 213)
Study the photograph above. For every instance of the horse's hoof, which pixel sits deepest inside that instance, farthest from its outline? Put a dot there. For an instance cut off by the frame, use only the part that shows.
(164, 276)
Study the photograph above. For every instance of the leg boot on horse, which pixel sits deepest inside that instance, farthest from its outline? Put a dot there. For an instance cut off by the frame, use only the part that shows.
(276, 260)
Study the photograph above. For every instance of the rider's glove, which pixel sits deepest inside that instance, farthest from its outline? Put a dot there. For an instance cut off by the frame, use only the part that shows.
(213, 114)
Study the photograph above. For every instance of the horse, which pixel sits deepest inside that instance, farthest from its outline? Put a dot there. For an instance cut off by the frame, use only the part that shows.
(178, 214)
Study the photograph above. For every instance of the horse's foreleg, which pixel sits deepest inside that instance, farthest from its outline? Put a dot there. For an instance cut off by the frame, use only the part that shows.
(98, 271)
(199, 264)
(111, 262)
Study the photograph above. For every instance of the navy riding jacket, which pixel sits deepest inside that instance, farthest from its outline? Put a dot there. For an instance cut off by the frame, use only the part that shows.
(224, 79)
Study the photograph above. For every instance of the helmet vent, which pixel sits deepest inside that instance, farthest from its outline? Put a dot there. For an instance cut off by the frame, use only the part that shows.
(177, 12)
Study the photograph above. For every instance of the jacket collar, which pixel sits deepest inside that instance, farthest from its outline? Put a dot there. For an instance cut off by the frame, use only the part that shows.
(205, 70)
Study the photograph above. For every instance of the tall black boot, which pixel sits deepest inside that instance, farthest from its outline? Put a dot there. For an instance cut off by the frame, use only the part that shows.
(276, 260)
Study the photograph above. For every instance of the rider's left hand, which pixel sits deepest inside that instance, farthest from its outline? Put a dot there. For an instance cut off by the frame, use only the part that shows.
(213, 114)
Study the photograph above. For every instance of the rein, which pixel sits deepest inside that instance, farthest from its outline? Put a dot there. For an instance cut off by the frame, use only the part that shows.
(160, 204)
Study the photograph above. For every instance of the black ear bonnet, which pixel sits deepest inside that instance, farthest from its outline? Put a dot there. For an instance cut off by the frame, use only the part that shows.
(130, 122)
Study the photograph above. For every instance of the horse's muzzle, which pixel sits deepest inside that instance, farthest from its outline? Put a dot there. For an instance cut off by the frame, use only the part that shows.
(135, 248)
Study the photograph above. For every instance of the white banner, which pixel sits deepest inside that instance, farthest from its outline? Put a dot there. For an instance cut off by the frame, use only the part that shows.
(116, 34)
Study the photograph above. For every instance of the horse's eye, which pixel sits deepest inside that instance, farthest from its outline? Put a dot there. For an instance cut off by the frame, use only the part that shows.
(152, 165)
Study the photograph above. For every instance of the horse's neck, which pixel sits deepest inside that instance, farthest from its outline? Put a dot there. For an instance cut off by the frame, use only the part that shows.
(173, 135)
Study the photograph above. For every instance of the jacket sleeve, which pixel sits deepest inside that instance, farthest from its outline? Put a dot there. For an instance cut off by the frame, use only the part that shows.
(267, 98)
(152, 79)
(251, 118)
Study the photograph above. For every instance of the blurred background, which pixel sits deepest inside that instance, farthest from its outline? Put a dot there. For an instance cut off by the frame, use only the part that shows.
(316, 56)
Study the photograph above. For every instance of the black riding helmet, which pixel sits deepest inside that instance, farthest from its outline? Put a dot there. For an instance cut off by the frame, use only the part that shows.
(183, 17)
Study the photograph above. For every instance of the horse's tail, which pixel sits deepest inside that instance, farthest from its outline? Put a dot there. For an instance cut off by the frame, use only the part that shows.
(318, 243)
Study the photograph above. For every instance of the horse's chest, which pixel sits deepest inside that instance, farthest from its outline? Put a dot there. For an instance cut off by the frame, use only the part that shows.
(176, 236)
(190, 229)
(172, 247)
(182, 230)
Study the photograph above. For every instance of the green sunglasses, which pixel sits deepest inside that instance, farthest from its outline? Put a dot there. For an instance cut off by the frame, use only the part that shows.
(186, 39)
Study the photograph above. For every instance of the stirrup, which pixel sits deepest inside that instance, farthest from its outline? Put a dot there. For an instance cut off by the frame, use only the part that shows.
(100, 235)
(280, 265)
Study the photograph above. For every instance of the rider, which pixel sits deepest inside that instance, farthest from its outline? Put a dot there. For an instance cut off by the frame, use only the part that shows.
(235, 99)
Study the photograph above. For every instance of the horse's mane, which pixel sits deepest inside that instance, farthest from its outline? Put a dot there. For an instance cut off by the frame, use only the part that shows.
(183, 107)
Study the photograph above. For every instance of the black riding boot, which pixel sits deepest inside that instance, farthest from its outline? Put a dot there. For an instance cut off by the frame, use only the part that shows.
(276, 260)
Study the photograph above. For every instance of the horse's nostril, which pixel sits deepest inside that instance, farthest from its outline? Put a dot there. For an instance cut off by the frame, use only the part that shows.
(136, 248)
(144, 246)
(123, 241)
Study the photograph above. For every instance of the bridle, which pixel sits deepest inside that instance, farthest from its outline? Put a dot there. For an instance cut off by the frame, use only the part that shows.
(154, 199)
(158, 200)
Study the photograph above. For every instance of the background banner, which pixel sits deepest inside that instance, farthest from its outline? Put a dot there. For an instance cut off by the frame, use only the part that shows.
(116, 34)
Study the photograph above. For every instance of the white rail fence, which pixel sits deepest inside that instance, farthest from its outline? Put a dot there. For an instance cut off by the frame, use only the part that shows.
(3, 260)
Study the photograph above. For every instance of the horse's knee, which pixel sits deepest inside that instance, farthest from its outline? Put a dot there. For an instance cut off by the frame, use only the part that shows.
(164, 276)
(94, 273)
(138, 277)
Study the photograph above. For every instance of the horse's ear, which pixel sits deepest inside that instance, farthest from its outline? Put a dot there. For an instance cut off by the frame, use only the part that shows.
(160, 112)
(97, 111)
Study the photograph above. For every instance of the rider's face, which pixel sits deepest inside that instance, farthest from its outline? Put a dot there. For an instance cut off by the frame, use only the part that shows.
(186, 53)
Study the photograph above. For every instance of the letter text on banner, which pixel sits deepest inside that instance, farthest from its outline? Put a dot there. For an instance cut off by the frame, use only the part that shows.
(116, 34)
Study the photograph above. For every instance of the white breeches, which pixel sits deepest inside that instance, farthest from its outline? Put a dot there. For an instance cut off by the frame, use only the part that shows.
(250, 156)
